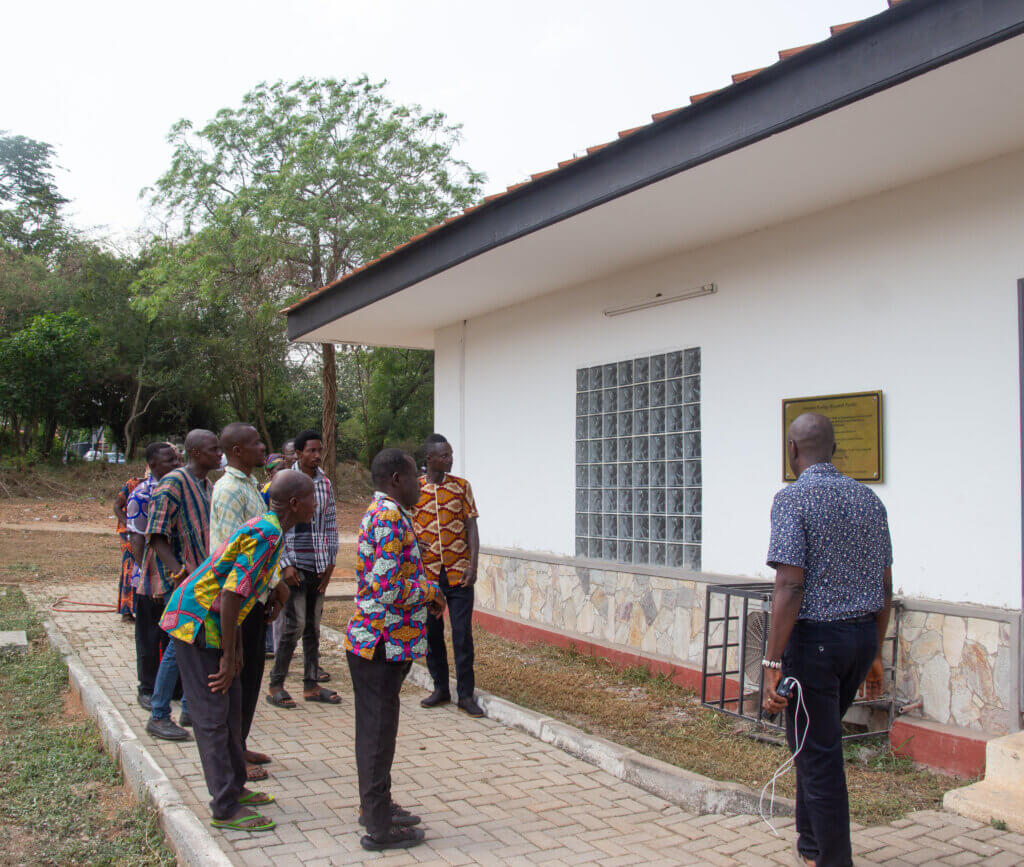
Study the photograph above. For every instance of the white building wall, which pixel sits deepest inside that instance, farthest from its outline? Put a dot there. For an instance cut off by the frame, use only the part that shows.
(912, 292)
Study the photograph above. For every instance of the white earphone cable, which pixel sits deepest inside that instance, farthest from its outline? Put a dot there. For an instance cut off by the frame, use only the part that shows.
(786, 765)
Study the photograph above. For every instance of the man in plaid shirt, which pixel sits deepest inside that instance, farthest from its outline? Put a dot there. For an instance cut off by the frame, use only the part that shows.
(307, 563)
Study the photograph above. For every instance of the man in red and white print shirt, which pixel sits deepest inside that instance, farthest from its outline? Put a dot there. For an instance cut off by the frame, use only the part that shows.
(446, 528)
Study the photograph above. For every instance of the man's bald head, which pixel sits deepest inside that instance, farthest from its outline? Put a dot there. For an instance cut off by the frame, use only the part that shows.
(236, 433)
(812, 438)
(203, 450)
(289, 485)
(198, 438)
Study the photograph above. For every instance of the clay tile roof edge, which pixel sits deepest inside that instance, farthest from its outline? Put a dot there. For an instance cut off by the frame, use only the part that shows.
(787, 53)
(750, 73)
(661, 115)
(836, 29)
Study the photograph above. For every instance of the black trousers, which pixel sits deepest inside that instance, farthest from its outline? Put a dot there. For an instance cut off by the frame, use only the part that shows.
(150, 640)
(301, 620)
(460, 613)
(831, 661)
(254, 661)
(376, 684)
(217, 724)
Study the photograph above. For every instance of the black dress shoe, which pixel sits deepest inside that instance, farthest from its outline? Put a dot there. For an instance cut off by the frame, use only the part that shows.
(185, 719)
(400, 817)
(166, 730)
(469, 705)
(145, 701)
(436, 698)
(395, 838)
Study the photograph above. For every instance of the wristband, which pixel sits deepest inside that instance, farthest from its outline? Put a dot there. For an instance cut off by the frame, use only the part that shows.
(772, 663)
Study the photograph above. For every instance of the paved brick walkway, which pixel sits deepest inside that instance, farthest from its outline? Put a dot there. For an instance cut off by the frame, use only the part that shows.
(487, 794)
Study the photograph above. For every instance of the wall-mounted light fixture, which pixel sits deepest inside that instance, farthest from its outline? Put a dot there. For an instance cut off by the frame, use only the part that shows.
(661, 298)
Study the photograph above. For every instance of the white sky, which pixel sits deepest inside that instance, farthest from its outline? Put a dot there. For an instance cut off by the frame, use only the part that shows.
(531, 82)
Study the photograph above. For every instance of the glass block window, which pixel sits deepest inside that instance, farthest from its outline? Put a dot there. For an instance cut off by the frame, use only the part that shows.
(638, 460)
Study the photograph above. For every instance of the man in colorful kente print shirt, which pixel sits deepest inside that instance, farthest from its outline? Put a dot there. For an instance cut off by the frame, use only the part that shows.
(387, 632)
(204, 618)
(445, 520)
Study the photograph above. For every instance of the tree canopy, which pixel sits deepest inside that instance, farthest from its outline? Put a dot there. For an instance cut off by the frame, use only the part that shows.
(297, 186)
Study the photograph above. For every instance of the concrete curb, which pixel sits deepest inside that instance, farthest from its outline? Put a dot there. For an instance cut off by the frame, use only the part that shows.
(188, 838)
(692, 792)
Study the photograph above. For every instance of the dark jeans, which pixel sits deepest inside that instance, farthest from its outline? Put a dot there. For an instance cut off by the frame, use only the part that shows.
(376, 684)
(301, 618)
(217, 724)
(150, 641)
(831, 661)
(460, 612)
(254, 661)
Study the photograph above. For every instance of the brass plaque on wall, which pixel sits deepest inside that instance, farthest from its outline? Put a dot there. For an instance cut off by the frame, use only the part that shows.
(857, 419)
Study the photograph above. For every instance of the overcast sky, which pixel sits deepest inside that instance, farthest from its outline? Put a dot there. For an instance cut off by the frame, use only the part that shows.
(531, 81)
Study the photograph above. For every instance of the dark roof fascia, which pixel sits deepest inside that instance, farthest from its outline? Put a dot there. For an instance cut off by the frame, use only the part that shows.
(905, 41)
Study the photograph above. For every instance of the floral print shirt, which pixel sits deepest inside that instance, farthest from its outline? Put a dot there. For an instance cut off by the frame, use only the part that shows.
(392, 591)
(837, 531)
(243, 564)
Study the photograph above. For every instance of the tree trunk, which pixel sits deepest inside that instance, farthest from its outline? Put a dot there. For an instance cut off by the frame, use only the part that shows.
(261, 410)
(328, 421)
(49, 432)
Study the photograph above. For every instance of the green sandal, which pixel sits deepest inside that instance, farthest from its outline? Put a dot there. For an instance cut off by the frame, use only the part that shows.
(256, 799)
(255, 822)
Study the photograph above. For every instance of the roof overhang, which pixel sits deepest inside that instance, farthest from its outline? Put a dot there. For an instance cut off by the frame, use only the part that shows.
(920, 89)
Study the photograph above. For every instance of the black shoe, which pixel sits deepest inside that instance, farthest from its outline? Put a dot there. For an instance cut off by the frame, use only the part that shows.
(145, 701)
(469, 705)
(185, 719)
(436, 698)
(395, 838)
(167, 730)
(400, 817)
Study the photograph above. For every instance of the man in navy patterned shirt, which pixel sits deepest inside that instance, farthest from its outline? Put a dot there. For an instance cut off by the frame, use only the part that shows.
(832, 556)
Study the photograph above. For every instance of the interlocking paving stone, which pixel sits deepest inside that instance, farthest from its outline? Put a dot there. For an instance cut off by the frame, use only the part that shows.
(487, 794)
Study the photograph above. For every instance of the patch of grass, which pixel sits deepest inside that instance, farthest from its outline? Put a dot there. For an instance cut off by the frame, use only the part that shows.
(655, 716)
(63, 801)
(998, 824)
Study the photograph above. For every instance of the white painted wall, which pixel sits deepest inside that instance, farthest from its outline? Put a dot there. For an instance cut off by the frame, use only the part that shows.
(912, 291)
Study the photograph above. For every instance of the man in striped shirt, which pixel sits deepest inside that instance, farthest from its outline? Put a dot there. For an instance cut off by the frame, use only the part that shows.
(307, 563)
(177, 541)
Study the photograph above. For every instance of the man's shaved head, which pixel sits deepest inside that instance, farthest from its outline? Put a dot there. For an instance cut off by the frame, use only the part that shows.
(289, 485)
(813, 436)
(236, 433)
(198, 438)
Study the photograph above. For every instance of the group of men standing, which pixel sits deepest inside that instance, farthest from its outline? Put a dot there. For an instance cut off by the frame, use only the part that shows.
(215, 564)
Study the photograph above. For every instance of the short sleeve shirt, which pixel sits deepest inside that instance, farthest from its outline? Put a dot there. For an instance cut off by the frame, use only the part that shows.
(243, 565)
(179, 510)
(137, 508)
(440, 519)
(836, 530)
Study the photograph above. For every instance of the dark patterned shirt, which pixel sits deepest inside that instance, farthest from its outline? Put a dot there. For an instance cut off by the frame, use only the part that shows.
(837, 531)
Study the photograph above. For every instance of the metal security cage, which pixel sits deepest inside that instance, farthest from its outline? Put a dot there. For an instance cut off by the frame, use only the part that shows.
(736, 622)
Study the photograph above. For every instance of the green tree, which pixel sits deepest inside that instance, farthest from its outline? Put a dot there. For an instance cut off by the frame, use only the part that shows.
(44, 375)
(224, 277)
(328, 175)
(30, 218)
(394, 395)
